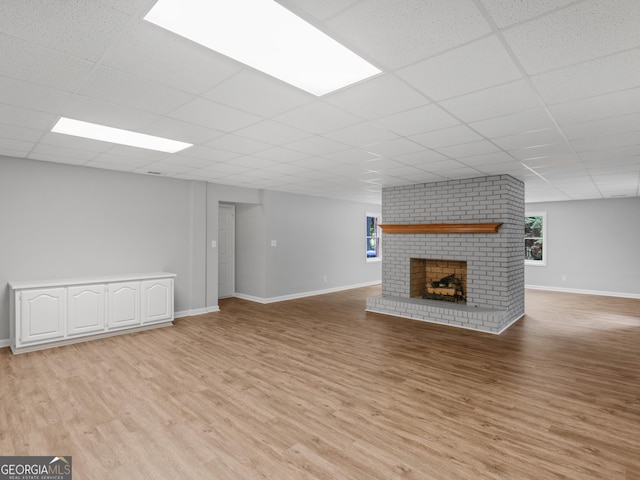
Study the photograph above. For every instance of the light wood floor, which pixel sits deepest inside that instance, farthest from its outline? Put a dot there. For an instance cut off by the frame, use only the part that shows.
(319, 389)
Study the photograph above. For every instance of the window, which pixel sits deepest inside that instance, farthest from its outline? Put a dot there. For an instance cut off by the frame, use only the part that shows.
(373, 238)
(535, 238)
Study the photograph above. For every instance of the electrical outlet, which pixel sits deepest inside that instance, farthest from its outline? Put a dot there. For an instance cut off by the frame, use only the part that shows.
(564, 278)
(324, 278)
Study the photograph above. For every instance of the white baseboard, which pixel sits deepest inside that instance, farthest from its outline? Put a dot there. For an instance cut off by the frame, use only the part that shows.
(196, 311)
(295, 296)
(584, 292)
(5, 342)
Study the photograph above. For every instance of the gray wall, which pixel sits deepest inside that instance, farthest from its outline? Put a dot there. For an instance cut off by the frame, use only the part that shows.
(594, 243)
(316, 238)
(251, 276)
(63, 221)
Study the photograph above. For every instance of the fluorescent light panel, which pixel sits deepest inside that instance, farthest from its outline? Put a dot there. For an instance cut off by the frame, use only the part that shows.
(268, 37)
(94, 131)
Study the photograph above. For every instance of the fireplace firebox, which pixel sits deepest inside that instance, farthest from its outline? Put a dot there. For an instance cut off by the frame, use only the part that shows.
(436, 279)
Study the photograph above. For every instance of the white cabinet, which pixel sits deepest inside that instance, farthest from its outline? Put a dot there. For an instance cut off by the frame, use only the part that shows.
(124, 305)
(42, 315)
(157, 304)
(86, 310)
(58, 312)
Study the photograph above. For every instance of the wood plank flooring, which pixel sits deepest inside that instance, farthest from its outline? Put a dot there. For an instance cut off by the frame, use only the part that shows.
(317, 388)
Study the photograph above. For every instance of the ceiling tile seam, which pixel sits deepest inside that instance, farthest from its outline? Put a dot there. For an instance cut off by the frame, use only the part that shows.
(583, 62)
(537, 17)
(527, 79)
(445, 51)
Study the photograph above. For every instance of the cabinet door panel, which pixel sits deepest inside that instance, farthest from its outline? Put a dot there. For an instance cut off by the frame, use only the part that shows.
(124, 304)
(157, 300)
(43, 314)
(86, 309)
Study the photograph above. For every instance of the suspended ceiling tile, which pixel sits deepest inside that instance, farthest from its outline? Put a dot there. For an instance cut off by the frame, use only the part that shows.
(318, 117)
(582, 32)
(213, 115)
(471, 67)
(207, 153)
(320, 10)
(63, 26)
(181, 131)
(71, 141)
(64, 152)
(508, 12)
(530, 139)
(421, 157)
(20, 147)
(15, 132)
(352, 156)
(271, 132)
(504, 99)
(514, 124)
(25, 94)
(603, 106)
(441, 166)
(237, 144)
(397, 146)
(418, 120)
(396, 36)
(155, 54)
(629, 139)
(258, 93)
(250, 162)
(133, 92)
(48, 157)
(129, 6)
(317, 146)
(120, 161)
(105, 113)
(281, 154)
(361, 134)
(447, 137)
(109, 166)
(24, 117)
(44, 67)
(378, 97)
(604, 126)
(596, 77)
(468, 149)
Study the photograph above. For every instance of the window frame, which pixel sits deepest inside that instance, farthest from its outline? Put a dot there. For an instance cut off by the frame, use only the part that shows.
(378, 236)
(545, 240)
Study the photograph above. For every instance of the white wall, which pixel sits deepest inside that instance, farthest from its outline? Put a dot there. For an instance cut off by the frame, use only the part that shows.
(594, 243)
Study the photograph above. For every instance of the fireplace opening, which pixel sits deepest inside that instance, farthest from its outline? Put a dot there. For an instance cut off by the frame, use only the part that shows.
(436, 279)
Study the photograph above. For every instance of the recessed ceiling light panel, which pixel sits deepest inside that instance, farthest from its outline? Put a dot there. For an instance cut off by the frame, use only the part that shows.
(268, 37)
(77, 128)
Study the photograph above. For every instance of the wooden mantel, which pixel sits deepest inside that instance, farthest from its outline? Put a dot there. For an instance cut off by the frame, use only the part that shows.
(441, 228)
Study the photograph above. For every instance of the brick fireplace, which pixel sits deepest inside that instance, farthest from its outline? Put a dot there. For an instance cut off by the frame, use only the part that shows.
(419, 251)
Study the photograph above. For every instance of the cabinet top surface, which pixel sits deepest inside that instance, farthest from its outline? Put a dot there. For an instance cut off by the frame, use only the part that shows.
(63, 282)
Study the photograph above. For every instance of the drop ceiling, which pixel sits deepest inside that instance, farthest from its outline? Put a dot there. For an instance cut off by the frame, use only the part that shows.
(547, 91)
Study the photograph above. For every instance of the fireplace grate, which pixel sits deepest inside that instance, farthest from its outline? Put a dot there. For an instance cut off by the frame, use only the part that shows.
(448, 288)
